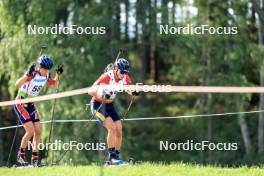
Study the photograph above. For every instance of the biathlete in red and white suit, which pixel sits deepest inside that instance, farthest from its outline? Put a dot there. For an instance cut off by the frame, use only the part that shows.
(106, 113)
(29, 86)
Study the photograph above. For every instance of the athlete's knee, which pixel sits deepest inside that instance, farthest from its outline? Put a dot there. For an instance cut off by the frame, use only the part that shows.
(119, 131)
(112, 128)
(37, 130)
(118, 134)
(29, 130)
(37, 134)
(29, 134)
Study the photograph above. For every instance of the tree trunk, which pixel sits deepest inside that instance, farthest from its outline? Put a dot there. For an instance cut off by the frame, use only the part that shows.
(259, 8)
(208, 104)
(126, 25)
(261, 118)
(244, 130)
(245, 135)
(152, 41)
(117, 18)
(1, 136)
(145, 40)
(261, 103)
(164, 7)
(136, 39)
(115, 25)
(173, 13)
(203, 124)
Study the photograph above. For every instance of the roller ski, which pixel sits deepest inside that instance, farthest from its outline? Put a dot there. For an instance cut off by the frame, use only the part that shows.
(116, 162)
(114, 159)
(22, 162)
(27, 165)
(36, 163)
(132, 161)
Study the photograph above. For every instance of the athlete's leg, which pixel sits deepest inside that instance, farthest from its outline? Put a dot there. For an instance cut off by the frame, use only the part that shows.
(22, 113)
(36, 137)
(29, 127)
(118, 143)
(111, 129)
(103, 117)
(35, 161)
(21, 157)
(111, 139)
(111, 110)
(37, 131)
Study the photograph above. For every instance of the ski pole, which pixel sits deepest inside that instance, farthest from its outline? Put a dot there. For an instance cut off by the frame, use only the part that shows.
(43, 47)
(12, 146)
(128, 108)
(111, 65)
(52, 122)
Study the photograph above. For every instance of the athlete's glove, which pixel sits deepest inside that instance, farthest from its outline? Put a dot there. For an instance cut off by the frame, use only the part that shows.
(59, 70)
(109, 67)
(104, 93)
(31, 70)
(135, 93)
(106, 96)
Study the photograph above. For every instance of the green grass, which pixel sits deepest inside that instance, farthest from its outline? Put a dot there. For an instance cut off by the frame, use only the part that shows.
(145, 169)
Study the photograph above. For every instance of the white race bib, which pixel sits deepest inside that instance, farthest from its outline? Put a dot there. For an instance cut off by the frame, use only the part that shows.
(34, 86)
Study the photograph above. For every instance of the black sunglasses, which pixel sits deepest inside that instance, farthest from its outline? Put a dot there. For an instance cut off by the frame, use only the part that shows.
(44, 68)
(123, 72)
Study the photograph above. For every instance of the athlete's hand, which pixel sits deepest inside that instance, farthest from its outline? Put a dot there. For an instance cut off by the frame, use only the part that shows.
(135, 93)
(106, 96)
(103, 92)
(31, 70)
(59, 70)
(109, 67)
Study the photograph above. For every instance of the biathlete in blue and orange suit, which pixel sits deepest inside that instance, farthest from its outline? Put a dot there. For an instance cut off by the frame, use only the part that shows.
(30, 85)
(106, 113)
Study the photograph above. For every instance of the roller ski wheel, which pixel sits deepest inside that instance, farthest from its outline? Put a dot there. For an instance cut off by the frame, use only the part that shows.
(115, 162)
(22, 163)
(20, 166)
(132, 161)
(36, 163)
